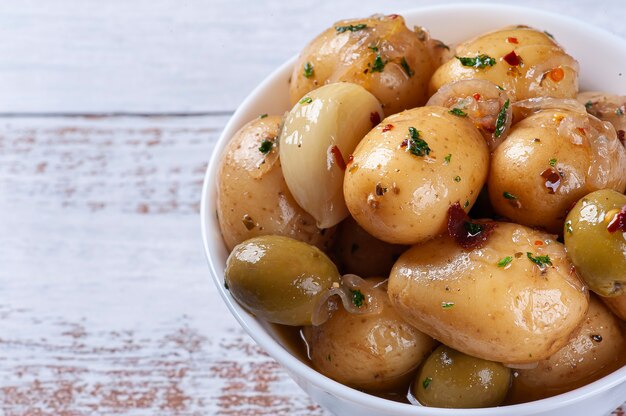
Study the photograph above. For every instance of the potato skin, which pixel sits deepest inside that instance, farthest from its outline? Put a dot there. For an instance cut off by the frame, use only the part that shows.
(585, 156)
(402, 198)
(349, 56)
(596, 349)
(253, 198)
(539, 54)
(617, 304)
(516, 314)
(371, 352)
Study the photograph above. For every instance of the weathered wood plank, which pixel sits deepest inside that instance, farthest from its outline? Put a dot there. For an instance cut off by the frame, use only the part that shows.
(173, 56)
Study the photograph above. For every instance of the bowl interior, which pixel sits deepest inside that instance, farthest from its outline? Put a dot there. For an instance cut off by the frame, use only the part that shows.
(602, 59)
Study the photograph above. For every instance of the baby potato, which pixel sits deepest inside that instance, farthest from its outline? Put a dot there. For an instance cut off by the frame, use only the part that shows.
(279, 279)
(617, 304)
(378, 53)
(451, 379)
(596, 243)
(593, 351)
(253, 198)
(370, 352)
(525, 62)
(550, 160)
(516, 299)
(362, 254)
(408, 170)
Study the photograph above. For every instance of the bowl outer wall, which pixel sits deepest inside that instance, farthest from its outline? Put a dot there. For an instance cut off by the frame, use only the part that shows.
(602, 57)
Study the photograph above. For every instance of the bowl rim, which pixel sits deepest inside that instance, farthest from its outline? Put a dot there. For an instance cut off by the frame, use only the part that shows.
(210, 231)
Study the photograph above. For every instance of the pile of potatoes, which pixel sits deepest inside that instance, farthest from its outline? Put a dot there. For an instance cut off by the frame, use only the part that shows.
(448, 223)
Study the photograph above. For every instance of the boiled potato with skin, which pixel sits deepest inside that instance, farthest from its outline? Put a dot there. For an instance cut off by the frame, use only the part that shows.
(279, 279)
(516, 299)
(371, 352)
(596, 349)
(253, 198)
(550, 160)
(378, 53)
(317, 136)
(617, 304)
(362, 254)
(451, 379)
(525, 62)
(409, 169)
(596, 243)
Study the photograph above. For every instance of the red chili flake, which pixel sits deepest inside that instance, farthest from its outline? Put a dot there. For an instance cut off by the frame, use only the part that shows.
(618, 222)
(476, 96)
(512, 59)
(557, 74)
(387, 127)
(538, 243)
(553, 179)
(621, 135)
(375, 118)
(581, 130)
(467, 233)
(512, 40)
(338, 157)
(404, 143)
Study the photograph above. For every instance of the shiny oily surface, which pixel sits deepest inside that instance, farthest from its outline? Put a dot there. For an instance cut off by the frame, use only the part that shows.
(253, 198)
(597, 348)
(599, 255)
(403, 198)
(452, 379)
(378, 53)
(527, 63)
(550, 160)
(374, 352)
(492, 302)
(617, 304)
(607, 107)
(318, 135)
(278, 288)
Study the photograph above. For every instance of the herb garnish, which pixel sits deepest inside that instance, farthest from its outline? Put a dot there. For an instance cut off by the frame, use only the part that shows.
(263, 115)
(308, 70)
(305, 100)
(619, 112)
(588, 104)
(505, 261)
(379, 64)
(406, 67)
(426, 382)
(472, 228)
(374, 48)
(447, 305)
(466, 204)
(553, 162)
(357, 297)
(350, 28)
(540, 261)
(508, 195)
(458, 112)
(501, 121)
(479, 61)
(549, 34)
(416, 145)
(226, 285)
(457, 179)
(568, 227)
(266, 146)
(448, 158)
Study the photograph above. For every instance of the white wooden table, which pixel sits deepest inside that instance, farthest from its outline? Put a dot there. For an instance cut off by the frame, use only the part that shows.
(109, 113)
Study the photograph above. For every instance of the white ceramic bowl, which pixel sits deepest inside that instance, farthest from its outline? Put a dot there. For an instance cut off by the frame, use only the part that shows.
(602, 58)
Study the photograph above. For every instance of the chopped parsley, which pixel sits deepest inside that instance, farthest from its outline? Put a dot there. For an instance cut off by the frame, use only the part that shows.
(226, 285)
(448, 158)
(553, 162)
(406, 67)
(350, 28)
(549, 34)
(379, 64)
(457, 179)
(505, 261)
(357, 297)
(501, 121)
(568, 227)
(266, 146)
(480, 61)
(263, 115)
(619, 112)
(416, 145)
(500, 88)
(472, 228)
(540, 261)
(458, 112)
(308, 70)
(426, 382)
(466, 204)
(447, 305)
(305, 100)
(373, 48)
(508, 195)
(588, 104)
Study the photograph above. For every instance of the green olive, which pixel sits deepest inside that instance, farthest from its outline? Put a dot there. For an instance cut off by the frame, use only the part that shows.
(279, 279)
(452, 379)
(598, 254)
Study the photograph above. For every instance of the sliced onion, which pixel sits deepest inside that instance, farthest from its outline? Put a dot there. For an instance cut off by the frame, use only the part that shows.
(522, 366)
(537, 73)
(525, 108)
